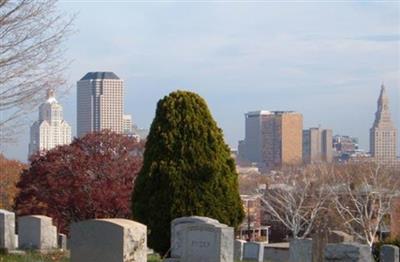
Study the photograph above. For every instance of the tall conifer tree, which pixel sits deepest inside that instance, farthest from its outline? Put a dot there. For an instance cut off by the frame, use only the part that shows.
(187, 170)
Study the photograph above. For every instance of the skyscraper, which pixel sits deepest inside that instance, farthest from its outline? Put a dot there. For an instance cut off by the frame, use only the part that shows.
(383, 133)
(99, 103)
(50, 130)
(317, 145)
(272, 138)
(282, 134)
(251, 147)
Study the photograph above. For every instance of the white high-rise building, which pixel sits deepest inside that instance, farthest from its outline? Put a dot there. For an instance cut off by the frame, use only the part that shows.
(127, 124)
(99, 103)
(50, 130)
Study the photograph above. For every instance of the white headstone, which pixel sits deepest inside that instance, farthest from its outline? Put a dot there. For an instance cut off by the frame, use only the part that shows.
(178, 226)
(37, 232)
(253, 251)
(238, 249)
(201, 239)
(7, 230)
(16, 241)
(106, 240)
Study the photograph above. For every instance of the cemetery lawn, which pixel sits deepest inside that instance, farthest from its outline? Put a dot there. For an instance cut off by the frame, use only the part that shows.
(34, 257)
(53, 257)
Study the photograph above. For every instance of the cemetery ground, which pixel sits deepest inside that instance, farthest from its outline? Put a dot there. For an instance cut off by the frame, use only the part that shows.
(51, 257)
(55, 257)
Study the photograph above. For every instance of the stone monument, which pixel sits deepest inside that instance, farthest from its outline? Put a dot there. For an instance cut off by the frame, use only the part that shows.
(106, 240)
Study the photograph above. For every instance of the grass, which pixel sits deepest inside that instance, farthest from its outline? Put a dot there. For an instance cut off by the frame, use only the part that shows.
(35, 257)
(154, 258)
(53, 257)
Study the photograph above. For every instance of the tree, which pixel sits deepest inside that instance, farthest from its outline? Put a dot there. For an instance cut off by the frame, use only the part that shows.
(90, 178)
(31, 57)
(10, 171)
(187, 170)
(363, 194)
(298, 198)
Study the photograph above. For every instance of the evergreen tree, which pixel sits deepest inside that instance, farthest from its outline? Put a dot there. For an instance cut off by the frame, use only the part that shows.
(187, 170)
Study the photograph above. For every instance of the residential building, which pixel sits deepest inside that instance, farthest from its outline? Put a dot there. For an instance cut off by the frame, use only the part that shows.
(51, 129)
(99, 103)
(383, 133)
(253, 227)
(317, 145)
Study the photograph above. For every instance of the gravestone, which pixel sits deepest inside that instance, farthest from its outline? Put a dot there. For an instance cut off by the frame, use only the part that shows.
(106, 240)
(37, 232)
(201, 239)
(348, 252)
(238, 249)
(319, 242)
(16, 241)
(389, 253)
(7, 230)
(300, 250)
(322, 237)
(178, 226)
(277, 252)
(62, 241)
(253, 251)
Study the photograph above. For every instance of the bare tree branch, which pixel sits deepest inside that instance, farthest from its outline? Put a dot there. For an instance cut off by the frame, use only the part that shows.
(362, 195)
(297, 198)
(31, 58)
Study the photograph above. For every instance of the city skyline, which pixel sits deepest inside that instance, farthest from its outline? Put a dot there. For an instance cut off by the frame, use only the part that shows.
(241, 58)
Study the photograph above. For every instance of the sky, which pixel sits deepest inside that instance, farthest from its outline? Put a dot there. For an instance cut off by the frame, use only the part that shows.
(324, 59)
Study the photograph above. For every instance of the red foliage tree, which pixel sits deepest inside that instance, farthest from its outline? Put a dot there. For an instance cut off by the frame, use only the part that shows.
(90, 178)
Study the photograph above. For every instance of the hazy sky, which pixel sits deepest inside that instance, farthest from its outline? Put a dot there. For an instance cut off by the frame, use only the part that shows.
(326, 60)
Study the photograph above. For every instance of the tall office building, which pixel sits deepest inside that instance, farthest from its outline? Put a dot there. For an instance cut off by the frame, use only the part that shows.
(50, 130)
(272, 138)
(317, 145)
(99, 103)
(251, 147)
(282, 133)
(383, 134)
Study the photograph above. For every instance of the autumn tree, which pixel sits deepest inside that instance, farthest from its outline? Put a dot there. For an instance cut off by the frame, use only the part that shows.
(187, 170)
(90, 178)
(10, 171)
(31, 57)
